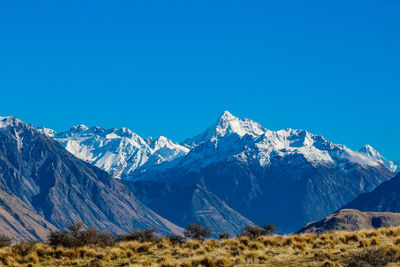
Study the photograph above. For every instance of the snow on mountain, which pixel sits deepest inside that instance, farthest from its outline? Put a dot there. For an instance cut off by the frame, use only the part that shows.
(226, 125)
(270, 175)
(46, 131)
(43, 185)
(10, 121)
(118, 151)
(246, 139)
(370, 152)
(4, 122)
(239, 162)
(125, 154)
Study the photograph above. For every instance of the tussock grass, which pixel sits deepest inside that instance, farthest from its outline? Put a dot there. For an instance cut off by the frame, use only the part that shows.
(364, 248)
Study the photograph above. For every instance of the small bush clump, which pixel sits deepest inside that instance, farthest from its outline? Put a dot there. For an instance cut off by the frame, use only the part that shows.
(175, 239)
(255, 231)
(224, 235)
(4, 241)
(197, 232)
(147, 235)
(23, 248)
(78, 237)
(371, 257)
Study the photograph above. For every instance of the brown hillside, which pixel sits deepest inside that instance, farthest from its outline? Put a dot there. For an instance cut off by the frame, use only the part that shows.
(352, 220)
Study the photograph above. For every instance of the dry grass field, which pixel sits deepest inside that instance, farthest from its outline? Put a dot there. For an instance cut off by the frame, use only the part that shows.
(364, 248)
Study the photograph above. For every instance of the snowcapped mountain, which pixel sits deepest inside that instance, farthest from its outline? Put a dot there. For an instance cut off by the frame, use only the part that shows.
(246, 140)
(125, 154)
(118, 151)
(226, 125)
(264, 145)
(245, 171)
(271, 175)
(369, 151)
(43, 186)
(46, 131)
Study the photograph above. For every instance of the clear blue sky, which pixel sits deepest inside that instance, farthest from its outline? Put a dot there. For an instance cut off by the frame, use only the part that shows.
(171, 67)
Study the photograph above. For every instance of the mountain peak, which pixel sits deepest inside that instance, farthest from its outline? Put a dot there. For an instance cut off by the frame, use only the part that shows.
(227, 124)
(10, 120)
(226, 116)
(368, 148)
(119, 151)
(125, 132)
(47, 131)
(78, 128)
(370, 152)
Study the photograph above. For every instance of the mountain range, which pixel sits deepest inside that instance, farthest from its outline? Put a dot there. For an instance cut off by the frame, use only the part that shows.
(234, 173)
(44, 187)
(120, 152)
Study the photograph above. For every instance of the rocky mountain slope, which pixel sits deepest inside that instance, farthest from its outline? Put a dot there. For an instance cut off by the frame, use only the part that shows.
(272, 176)
(352, 220)
(386, 197)
(19, 221)
(250, 172)
(189, 204)
(62, 188)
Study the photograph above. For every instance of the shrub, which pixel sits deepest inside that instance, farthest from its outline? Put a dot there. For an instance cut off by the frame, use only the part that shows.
(255, 245)
(92, 236)
(23, 248)
(287, 241)
(370, 257)
(363, 243)
(4, 241)
(299, 246)
(253, 231)
(324, 255)
(224, 235)
(197, 232)
(33, 257)
(95, 263)
(309, 238)
(175, 239)
(76, 237)
(374, 241)
(369, 234)
(192, 244)
(351, 237)
(328, 264)
(204, 261)
(392, 251)
(61, 238)
(143, 248)
(147, 235)
(273, 242)
(270, 229)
